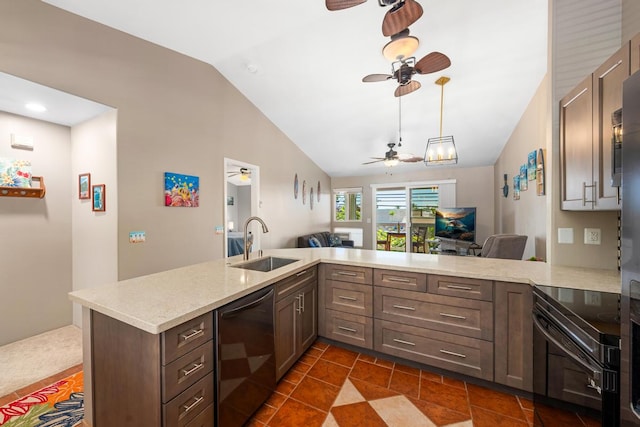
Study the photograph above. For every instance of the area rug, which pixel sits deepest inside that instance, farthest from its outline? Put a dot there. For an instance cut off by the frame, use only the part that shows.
(59, 405)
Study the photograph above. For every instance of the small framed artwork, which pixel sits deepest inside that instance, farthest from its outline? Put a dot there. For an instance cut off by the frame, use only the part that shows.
(84, 186)
(318, 192)
(181, 190)
(99, 197)
(295, 187)
(311, 198)
(229, 200)
(304, 192)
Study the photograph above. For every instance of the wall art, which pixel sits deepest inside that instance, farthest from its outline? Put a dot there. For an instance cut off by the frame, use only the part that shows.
(524, 183)
(295, 187)
(516, 187)
(311, 198)
(318, 192)
(15, 173)
(99, 197)
(181, 190)
(531, 166)
(84, 186)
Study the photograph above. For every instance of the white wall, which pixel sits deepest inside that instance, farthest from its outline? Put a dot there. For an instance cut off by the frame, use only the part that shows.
(35, 234)
(94, 234)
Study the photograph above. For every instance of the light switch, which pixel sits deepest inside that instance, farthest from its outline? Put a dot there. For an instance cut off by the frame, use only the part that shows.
(565, 235)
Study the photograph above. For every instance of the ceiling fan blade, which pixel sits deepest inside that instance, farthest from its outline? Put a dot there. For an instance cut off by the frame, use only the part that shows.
(407, 89)
(374, 161)
(409, 158)
(342, 4)
(400, 17)
(435, 61)
(377, 77)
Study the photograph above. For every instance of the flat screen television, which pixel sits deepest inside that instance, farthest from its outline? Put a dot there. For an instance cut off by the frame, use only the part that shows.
(456, 224)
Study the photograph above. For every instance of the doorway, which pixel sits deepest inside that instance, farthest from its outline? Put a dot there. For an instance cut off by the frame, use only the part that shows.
(241, 194)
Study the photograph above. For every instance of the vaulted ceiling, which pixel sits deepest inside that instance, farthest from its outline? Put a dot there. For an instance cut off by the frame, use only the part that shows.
(302, 66)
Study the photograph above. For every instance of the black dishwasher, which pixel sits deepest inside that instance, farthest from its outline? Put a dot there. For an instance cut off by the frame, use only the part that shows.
(245, 357)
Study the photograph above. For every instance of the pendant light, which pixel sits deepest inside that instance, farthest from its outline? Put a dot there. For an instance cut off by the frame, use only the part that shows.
(441, 150)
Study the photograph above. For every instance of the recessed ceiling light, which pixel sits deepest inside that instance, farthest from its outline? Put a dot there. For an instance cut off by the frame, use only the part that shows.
(252, 68)
(35, 107)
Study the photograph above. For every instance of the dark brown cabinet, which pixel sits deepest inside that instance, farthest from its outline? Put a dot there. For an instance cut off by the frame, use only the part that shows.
(296, 326)
(147, 379)
(585, 136)
(513, 335)
(345, 304)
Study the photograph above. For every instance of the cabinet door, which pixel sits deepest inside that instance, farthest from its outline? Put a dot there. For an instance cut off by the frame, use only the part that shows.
(576, 140)
(286, 338)
(308, 324)
(513, 335)
(607, 97)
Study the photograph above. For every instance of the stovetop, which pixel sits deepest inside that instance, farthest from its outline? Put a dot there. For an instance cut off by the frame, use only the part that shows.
(595, 312)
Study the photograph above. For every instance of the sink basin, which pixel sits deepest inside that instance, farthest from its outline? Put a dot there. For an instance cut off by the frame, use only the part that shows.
(265, 264)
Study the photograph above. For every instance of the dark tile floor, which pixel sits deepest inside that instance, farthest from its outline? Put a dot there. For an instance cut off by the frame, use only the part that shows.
(334, 387)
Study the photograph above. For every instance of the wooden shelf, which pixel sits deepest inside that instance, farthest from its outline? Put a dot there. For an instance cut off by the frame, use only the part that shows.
(25, 192)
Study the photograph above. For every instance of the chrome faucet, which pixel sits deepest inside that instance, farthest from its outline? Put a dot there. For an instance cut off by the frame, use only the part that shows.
(247, 243)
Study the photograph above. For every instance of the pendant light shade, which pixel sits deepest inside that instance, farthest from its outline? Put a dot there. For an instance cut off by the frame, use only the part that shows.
(441, 150)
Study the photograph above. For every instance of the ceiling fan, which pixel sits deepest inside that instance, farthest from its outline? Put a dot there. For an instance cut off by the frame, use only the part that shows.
(245, 174)
(403, 70)
(402, 13)
(391, 157)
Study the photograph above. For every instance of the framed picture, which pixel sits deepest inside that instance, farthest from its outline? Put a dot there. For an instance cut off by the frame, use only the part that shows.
(84, 186)
(181, 190)
(99, 197)
(229, 200)
(295, 187)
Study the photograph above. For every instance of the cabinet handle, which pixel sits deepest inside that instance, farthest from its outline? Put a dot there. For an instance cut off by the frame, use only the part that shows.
(398, 279)
(613, 67)
(451, 353)
(301, 273)
(344, 328)
(193, 333)
(196, 366)
(454, 316)
(404, 342)
(346, 273)
(460, 288)
(299, 307)
(347, 298)
(187, 408)
(584, 193)
(301, 296)
(404, 307)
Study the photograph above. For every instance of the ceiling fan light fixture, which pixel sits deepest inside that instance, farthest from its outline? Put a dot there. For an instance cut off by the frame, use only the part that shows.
(400, 47)
(391, 162)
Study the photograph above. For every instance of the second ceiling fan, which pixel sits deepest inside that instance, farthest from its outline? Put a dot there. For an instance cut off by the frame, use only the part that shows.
(402, 13)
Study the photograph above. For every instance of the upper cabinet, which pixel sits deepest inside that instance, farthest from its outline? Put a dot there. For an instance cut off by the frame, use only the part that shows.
(585, 136)
(635, 53)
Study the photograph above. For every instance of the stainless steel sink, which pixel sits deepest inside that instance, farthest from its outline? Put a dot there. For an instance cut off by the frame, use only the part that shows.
(265, 264)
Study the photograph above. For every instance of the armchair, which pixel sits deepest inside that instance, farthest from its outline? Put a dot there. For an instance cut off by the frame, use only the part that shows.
(506, 246)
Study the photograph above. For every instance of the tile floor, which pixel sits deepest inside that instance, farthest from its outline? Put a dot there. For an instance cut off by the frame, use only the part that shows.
(334, 387)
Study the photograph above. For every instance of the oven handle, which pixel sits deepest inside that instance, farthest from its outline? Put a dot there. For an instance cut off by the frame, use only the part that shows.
(596, 371)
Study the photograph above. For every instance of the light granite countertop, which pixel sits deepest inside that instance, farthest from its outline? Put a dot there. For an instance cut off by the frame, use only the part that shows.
(160, 301)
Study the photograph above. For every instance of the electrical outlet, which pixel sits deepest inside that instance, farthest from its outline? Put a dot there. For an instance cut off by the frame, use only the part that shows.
(592, 298)
(591, 236)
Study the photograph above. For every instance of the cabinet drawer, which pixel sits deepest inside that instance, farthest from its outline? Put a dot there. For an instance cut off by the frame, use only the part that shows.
(205, 418)
(348, 273)
(185, 371)
(461, 287)
(183, 338)
(190, 405)
(349, 328)
(349, 297)
(468, 356)
(459, 316)
(295, 282)
(400, 280)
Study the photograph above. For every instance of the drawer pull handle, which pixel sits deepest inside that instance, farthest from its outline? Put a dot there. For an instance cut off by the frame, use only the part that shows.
(187, 408)
(404, 307)
(347, 298)
(344, 328)
(398, 279)
(196, 366)
(299, 307)
(454, 316)
(404, 342)
(451, 353)
(460, 288)
(194, 333)
(302, 304)
(346, 273)
(301, 273)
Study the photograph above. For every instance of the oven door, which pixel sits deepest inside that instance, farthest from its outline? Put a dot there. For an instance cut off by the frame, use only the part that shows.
(565, 377)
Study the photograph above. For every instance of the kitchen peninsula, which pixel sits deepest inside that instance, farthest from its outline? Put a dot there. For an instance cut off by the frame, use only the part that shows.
(359, 293)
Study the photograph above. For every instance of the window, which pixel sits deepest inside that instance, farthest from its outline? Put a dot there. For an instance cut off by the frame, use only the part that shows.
(347, 204)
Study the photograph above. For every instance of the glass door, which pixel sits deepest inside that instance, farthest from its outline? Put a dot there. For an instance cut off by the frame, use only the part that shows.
(424, 201)
(391, 219)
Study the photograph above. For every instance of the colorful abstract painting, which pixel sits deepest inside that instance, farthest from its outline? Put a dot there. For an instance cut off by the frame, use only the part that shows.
(181, 190)
(15, 173)
(58, 405)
